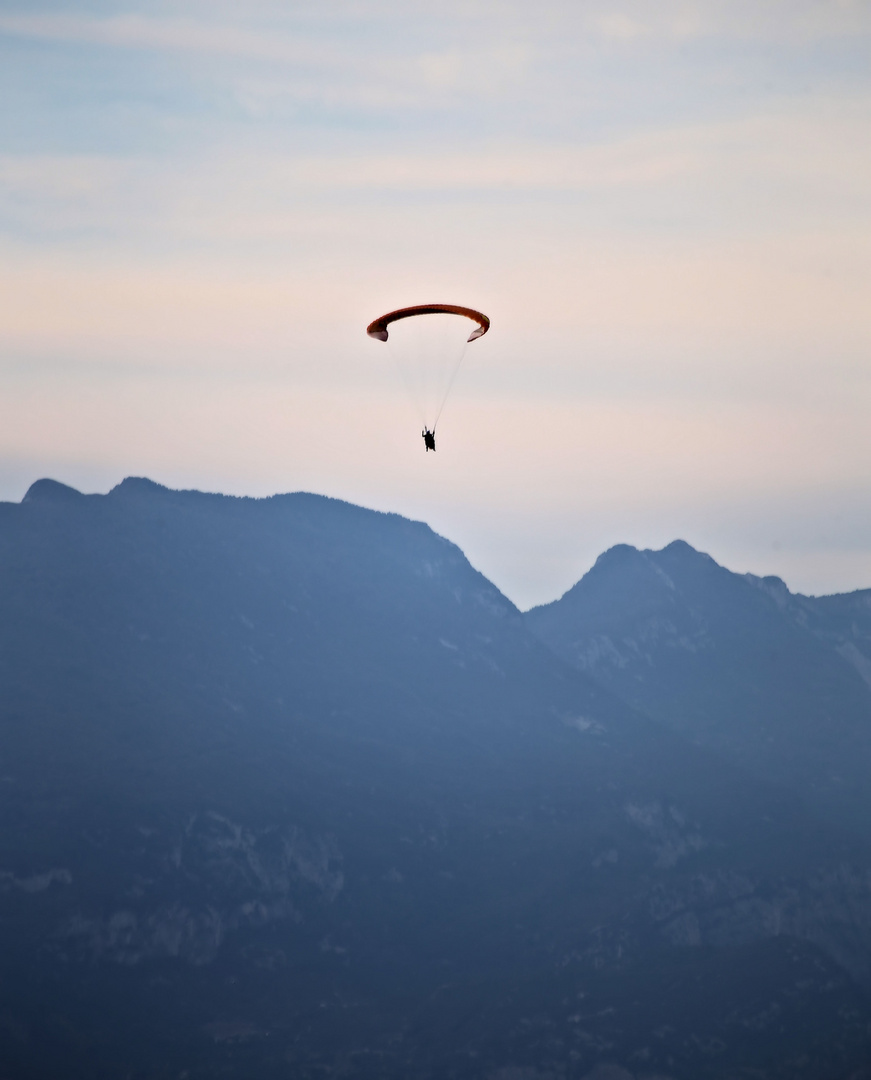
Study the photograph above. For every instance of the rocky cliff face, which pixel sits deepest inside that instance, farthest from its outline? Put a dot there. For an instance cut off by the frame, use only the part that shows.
(289, 789)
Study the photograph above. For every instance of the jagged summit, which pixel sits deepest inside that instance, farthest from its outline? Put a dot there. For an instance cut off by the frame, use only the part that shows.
(676, 548)
(778, 681)
(624, 566)
(138, 485)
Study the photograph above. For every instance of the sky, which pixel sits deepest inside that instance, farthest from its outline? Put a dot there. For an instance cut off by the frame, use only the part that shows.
(664, 208)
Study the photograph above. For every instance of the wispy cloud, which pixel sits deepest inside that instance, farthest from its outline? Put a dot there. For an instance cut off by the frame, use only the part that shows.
(186, 35)
(799, 163)
(293, 32)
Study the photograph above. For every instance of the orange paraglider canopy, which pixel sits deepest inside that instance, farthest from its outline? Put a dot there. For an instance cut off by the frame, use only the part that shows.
(378, 328)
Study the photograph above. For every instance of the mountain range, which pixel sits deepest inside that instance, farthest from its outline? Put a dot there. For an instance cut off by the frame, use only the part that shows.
(288, 789)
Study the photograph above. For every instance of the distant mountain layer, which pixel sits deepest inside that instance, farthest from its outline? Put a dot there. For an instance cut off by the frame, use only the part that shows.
(779, 683)
(288, 789)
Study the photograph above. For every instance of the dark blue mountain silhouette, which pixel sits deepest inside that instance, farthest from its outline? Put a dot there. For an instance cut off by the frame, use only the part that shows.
(288, 789)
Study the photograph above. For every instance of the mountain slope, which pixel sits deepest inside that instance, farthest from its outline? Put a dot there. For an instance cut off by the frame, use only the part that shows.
(779, 683)
(289, 788)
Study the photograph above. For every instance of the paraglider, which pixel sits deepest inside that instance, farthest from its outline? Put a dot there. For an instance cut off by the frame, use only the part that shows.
(429, 353)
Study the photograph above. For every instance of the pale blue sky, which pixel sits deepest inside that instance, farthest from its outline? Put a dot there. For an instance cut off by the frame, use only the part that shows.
(664, 208)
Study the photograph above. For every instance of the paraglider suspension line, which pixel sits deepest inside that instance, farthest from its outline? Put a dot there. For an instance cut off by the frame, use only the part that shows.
(454, 374)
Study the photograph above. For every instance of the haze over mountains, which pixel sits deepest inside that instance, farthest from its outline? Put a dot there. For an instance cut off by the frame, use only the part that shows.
(290, 790)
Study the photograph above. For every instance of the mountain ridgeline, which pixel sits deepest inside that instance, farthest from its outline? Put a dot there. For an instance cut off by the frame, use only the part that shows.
(288, 789)
(779, 684)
